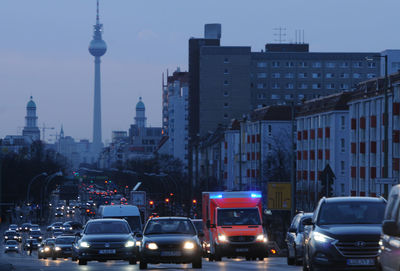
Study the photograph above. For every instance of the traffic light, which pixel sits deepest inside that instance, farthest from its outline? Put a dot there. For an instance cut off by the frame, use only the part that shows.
(126, 187)
(194, 203)
(151, 203)
(167, 200)
(105, 181)
(171, 194)
(115, 190)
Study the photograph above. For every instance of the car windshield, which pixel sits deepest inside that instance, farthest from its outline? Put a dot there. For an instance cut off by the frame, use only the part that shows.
(107, 227)
(199, 225)
(11, 242)
(170, 226)
(352, 212)
(65, 240)
(236, 217)
(50, 242)
(35, 232)
(10, 233)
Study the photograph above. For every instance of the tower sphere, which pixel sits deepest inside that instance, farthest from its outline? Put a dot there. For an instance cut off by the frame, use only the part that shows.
(97, 47)
(31, 104)
(140, 104)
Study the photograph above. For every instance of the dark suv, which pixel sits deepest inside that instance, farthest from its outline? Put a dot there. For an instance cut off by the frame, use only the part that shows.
(345, 234)
(105, 239)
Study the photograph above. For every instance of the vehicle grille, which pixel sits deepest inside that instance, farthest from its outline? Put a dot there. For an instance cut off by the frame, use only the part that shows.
(106, 245)
(242, 239)
(358, 248)
(170, 246)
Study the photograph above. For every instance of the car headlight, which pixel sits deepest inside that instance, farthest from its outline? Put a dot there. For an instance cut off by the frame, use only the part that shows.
(188, 245)
(57, 248)
(222, 238)
(261, 238)
(152, 246)
(70, 228)
(129, 244)
(322, 238)
(46, 249)
(84, 244)
(7, 247)
(5, 237)
(138, 243)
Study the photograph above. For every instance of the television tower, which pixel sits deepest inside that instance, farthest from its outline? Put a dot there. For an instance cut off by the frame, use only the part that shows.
(97, 48)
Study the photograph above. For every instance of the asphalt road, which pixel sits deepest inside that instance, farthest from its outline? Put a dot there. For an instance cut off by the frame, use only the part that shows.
(23, 262)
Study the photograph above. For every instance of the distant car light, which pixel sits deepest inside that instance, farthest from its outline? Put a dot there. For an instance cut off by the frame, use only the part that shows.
(188, 245)
(138, 243)
(57, 248)
(46, 249)
(152, 246)
(129, 244)
(261, 238)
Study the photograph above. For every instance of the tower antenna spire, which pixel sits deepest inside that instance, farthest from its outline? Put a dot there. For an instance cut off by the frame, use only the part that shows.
(97, 13)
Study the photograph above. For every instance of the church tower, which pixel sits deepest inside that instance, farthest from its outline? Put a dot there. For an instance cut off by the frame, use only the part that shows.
(31, 128)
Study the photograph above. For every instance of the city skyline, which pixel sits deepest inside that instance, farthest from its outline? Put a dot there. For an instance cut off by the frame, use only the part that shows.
(49, 59)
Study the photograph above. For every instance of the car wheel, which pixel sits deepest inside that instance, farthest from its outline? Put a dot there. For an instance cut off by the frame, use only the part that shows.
(132, 261)
(197, 264)
(82, 262)
(142, 265)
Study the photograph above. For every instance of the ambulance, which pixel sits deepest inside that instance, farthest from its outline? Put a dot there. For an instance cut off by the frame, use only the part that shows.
(233, 225)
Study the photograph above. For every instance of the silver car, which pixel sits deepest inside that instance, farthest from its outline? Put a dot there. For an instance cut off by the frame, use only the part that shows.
(295, 239)
(11, 245)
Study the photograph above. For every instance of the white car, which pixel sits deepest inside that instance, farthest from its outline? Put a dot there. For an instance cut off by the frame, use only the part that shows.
(11, 246)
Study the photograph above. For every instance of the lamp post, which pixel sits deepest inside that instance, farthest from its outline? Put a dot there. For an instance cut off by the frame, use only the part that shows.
(30, 183)
(44, 190)
(385, 117)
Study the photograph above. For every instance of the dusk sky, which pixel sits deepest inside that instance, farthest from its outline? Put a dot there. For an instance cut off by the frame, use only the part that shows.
(44, 49)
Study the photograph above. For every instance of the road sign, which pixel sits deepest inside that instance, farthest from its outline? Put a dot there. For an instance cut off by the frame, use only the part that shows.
(279, 196)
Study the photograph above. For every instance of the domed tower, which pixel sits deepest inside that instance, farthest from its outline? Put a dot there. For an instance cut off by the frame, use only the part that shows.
(140, 119)
(97, 48)
(31, 128)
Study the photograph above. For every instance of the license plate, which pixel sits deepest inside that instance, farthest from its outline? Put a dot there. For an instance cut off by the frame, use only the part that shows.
(170, 253)
(363, 262)
(107, 251)
(242, 250)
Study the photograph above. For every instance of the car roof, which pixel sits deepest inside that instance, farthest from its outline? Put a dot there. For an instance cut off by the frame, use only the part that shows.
(106, 220)
(353, 199)
(197, 220)
(170, 217)
(10, 231)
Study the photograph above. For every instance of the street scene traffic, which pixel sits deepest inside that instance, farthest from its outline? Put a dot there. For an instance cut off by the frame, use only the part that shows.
(191, 135)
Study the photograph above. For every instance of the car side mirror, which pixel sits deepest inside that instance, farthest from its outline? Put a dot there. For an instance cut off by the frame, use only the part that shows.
(139, 235)
(200, 234)
(307, 222)
(208, 224)
(292, 230)
(389, 227)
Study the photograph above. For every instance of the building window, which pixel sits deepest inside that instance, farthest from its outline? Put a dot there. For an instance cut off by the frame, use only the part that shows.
(371, 75)
(226, 82)
(342, 145)
(288, 97)
(330, 86)
(316, 86)
(344, 75)
(357, 65)
(261, 75)
(226, 105)
(300, 96)
(269, 130)
(261, 64)
(289, 75)
(356, 75)
(289, 64)
(330, 65)
(276, 75)
(261, 85)
(344, 86)
(261, 96)
(276, 86)
(225, 116)
(330, 75)
(302, 75)
(226, 71)
(344, 65)
(226, 60)
(303, 86)
(289, 86)
(226, 94)
(316, 65)
(275, 97)
(342, 167)
(303, 64)
(275, 64)
(371, 64)
(316, 75)
(343, 122)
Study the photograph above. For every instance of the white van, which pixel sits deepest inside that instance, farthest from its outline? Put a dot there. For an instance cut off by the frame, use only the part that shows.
(128, 212)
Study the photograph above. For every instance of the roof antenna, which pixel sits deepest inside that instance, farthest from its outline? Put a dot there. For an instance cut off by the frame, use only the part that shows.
(97, 14)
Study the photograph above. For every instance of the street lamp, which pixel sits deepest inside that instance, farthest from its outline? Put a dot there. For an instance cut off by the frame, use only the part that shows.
(30, 183)
(44, 189)
(385, 116)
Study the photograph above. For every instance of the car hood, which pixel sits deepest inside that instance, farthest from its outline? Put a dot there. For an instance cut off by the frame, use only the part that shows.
(63, 245)
(240, 230)
(106, 237)
(368, 232)
(168, 239)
